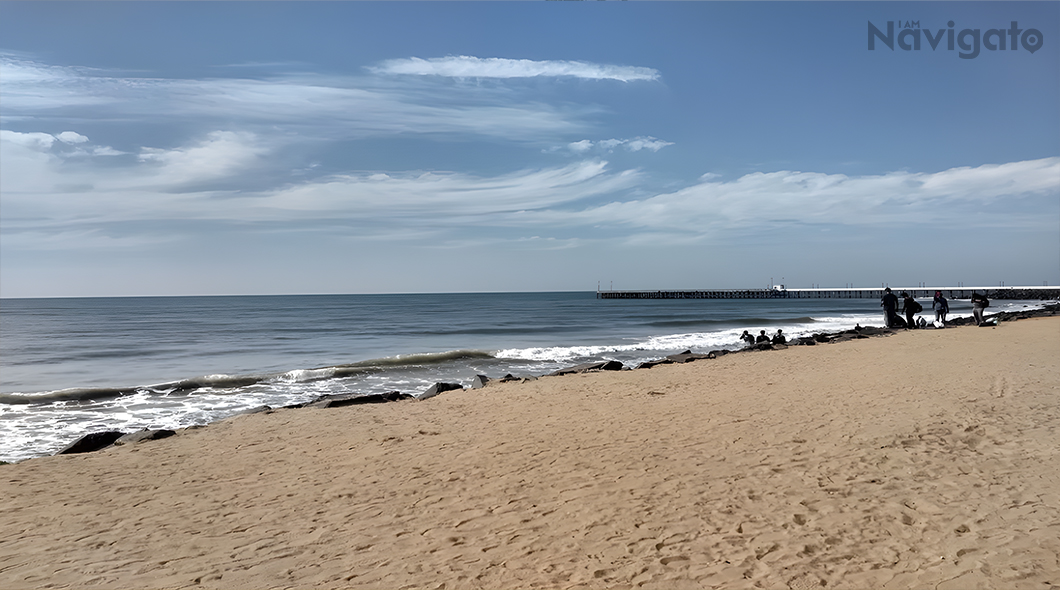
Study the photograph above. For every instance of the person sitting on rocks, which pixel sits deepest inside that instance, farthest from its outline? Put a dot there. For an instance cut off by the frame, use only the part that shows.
(748, 338)
(779, 338)
(762, 337)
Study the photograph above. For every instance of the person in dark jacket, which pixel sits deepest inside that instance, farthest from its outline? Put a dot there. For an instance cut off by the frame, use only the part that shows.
(941, 307)
(979, 304)
(762, 337)
(748, 338)
(890, 309)
(910, 307)
(779, 338)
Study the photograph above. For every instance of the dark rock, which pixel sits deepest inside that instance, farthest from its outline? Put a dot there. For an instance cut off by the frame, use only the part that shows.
(874, 331)
(142, 435)
(650, 364)
(354, 399)
(764, 346)
(92, 442)
(688, 356)
(439, 388)
(589, 367)
(479, 381)
(254, 410)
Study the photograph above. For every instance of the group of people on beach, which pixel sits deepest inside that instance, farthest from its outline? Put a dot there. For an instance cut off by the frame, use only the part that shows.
(751, 340)
(911, 307)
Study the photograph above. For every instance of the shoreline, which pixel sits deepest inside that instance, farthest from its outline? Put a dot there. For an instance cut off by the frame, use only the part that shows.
(923, 459)
(98, 440)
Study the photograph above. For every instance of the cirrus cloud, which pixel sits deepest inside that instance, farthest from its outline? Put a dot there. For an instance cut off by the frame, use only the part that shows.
(968, 196)
(464, 66)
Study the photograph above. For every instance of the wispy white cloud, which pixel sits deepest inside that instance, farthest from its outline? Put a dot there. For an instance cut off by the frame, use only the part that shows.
(608, 145)
(646, 143)
(316, 106)
(763, 200)
(222, 154)
(46, 189)
(464, 66)
(46, 142)
(446, 197)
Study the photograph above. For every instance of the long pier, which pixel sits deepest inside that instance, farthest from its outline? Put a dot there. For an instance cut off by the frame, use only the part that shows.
(1049, 293)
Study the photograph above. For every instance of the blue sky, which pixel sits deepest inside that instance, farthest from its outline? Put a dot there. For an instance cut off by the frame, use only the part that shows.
(360, 147)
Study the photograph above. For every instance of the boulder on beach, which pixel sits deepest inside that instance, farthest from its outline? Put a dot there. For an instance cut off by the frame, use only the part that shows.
(92, 442)
(353, 399)
(589, 367)
(650, 364)
(682, 357)
(142, 435)
(254, 410)
(873, 331)
(439, 388)
(688, 356)
(479, 381)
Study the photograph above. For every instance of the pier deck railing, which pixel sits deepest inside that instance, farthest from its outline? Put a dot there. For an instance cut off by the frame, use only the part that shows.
(844, 293)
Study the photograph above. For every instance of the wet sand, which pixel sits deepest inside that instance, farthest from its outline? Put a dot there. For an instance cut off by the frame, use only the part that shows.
(927, 459)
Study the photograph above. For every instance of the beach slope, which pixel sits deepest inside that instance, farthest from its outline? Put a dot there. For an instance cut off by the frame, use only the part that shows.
(927, 459)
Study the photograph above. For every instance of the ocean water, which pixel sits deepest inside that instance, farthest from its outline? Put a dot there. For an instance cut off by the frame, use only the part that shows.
(73, 366)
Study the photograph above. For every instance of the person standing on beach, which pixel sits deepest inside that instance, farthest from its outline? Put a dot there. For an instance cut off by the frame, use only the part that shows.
(890, 309)
(911, 307)
(941, 307)
(979, 303)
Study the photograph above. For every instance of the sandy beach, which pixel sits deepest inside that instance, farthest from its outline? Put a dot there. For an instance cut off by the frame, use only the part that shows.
(926, 459)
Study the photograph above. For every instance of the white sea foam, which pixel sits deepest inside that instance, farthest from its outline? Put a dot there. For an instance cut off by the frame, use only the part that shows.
(303, 375)
(696, 341)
